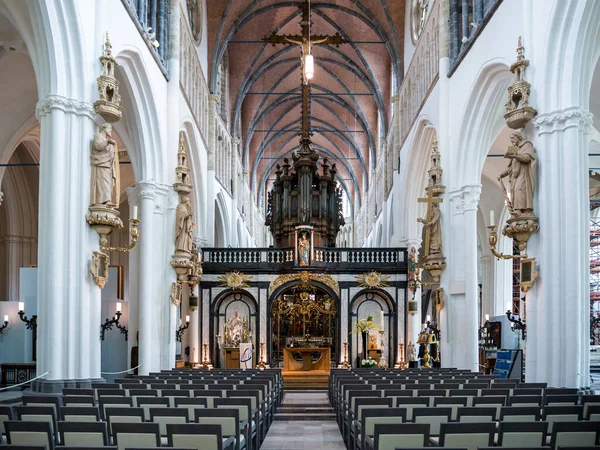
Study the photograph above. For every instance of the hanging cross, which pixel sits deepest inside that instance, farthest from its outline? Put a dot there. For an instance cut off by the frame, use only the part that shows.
(304, 40)
(430, 200)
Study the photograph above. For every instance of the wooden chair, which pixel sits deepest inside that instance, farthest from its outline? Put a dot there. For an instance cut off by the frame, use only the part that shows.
(136, 435)
(39, 414)
(575, 434)
(522, 434)
(166, 416)
(229, 421)
(25, 433)
(83, 434)
(451, 402)
(520, 414)
(371, 417)
(467, 435)
(79, 414)
(123, 415)
(151, 402)
(552, 414)
(199, 436)
(432, 416)
(476, 414)
(191, 404)
(391, 436)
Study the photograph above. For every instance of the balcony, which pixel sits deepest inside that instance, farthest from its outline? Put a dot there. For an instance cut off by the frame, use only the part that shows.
(284, 259)
(468, 18)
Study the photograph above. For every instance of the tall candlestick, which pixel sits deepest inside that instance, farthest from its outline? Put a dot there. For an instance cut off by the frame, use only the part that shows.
(381, 323)
(492, 218)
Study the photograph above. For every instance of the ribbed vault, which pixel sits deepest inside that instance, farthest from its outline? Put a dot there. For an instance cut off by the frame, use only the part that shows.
(351, 90)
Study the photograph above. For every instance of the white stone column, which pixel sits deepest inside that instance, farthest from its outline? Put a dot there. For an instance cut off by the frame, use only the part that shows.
(134, 286)
(413, 321)
(193, 333)
(68, 299)
(558, 304)
(460, 322)
(147, 327)
(487, 282)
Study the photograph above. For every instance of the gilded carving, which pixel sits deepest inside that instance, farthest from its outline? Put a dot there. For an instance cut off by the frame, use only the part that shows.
(372, 280)
(235, 280)
(305, 278)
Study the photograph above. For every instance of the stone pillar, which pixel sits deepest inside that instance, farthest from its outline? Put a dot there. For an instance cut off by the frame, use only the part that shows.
(68, 299)
(459, 332)
(558, 304)
(193, 333)
(134, 286)
(487, 282)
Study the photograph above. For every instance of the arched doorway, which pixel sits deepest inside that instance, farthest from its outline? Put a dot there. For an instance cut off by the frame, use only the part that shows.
(303, 315)
(372, 303)
(234, 321)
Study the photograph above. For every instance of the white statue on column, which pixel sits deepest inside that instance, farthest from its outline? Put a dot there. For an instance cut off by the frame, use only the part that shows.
(185, 225)
(104, 174)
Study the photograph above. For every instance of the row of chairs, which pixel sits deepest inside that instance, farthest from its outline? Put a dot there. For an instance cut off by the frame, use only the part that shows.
(353, 394)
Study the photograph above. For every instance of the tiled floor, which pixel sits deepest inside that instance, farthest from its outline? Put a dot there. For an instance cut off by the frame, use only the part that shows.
(306, 434)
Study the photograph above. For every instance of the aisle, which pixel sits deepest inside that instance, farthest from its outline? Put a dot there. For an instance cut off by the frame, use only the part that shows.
(305, 420)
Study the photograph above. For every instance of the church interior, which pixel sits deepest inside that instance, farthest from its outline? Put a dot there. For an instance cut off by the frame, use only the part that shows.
(273, 224)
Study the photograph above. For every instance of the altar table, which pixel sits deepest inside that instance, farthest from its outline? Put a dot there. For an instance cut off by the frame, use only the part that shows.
(290, 364)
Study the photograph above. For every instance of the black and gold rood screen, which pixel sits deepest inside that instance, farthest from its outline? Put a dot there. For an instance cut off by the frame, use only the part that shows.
(303, 319)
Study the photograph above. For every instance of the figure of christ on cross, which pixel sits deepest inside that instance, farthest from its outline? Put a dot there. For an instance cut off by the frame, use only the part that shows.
(305, 41)
(433, 228)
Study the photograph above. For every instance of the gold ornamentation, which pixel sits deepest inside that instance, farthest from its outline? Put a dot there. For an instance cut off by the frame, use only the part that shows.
(528, 274)
(439, 299)
(372, 280)
(518, 111)
(99, 268)
(235, 280)
(305, 278)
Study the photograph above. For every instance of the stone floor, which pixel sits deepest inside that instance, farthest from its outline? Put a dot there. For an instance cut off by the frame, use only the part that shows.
(303, 434)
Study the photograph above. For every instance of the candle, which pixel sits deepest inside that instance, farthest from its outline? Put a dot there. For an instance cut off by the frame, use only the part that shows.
(487, 317)
(6, 317)
(492, 218)
(187, 319)
(509, 306)
(21, 306)
(428, 318)
(381, 323)
(134, 215)
(401, 341)
(118, 306)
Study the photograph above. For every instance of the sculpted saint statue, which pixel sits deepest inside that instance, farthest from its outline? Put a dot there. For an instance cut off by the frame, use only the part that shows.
(303, 250)
(104, 171)
(521, 174)
(435, 230)
(185, 226)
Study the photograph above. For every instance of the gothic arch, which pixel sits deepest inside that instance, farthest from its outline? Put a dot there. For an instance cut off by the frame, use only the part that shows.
(221, 221)
(197, 165)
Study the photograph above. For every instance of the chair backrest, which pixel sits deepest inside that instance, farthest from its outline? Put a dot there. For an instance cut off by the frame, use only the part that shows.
(593, 413)
(191, 404)
(525, 400)
(495, 392)
(372, 416)
(561, 400)
(244, 406)
(522, 434)
(151, 402)
(520, 414)
(552, 414)
(561, 391)
(83, 434)
(113, 402)
(38, 414)
(451, 402)
(411, 403)
(589, 400)
(574, 434)
(111, 392)
(253, 395)
(20, 432)
(467, 435)
(433, 416)
(139, 435)
(390, 436)
(520, 391)
(165, 416)
(361, 403)
(78, 391)
(37, 400)
(468, 393)
(476, 414)
(195, 435)
(79, 414)
(79, 400)
(5, 414)
(228, 419)
(123, 415)
(143, 393)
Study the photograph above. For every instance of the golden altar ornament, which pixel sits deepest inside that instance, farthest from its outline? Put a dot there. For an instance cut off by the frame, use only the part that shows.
(235, 280)
(372, 280)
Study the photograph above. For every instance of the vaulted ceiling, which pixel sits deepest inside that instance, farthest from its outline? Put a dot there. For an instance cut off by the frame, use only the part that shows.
(351, 88)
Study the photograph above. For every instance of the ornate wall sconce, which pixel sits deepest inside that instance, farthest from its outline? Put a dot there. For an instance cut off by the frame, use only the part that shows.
(439, 299)
(4, 325)
(182, 328)
(30, 324)
(108, 323)
(517, 324)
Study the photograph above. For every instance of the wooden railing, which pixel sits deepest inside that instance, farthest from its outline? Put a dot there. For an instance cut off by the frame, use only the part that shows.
(274, 259)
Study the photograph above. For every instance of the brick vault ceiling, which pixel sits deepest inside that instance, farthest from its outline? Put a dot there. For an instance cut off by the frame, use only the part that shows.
(362, 67)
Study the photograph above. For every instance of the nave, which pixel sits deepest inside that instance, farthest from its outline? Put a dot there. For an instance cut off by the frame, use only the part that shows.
(362, 409)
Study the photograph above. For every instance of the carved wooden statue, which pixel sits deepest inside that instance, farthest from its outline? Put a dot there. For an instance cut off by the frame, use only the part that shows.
(105, 172)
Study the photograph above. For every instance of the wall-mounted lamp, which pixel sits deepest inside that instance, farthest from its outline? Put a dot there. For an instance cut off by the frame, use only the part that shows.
(182, 328)
(4, 325)
(517, 324)
(107, 325)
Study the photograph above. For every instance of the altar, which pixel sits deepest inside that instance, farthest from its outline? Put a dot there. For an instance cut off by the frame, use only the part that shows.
(291, 365)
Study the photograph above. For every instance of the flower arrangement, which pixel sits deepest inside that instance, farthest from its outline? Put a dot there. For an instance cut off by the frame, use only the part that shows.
(368, 363)
(363, 326)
